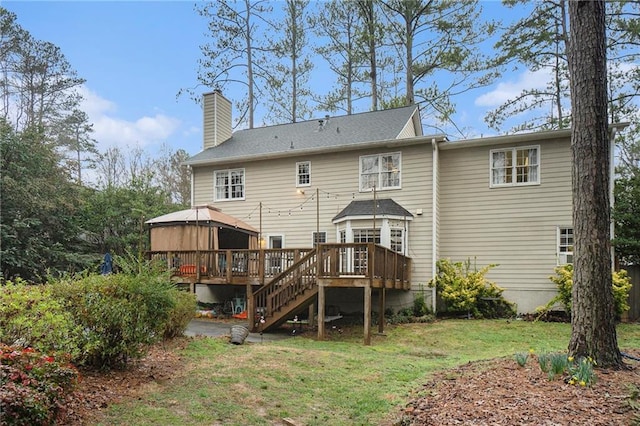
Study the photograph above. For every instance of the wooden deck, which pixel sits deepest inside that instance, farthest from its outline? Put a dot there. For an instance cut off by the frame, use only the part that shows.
(339, 265)
(280, 282)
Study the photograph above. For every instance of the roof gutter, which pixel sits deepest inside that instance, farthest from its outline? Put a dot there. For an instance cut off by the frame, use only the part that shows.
(517, 138)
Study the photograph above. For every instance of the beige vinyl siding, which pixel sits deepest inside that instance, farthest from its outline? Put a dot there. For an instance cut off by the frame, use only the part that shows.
(217, 128)
(285, 212)
(512, 226)
(408, 131)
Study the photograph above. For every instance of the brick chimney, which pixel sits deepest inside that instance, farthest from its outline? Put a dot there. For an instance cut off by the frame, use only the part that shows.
(217, 119)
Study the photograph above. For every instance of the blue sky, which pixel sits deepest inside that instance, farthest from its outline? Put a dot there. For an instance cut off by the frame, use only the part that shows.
(136, 56)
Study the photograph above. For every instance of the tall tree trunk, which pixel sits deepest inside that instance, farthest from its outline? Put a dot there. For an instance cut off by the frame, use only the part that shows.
(409, 100)
(294, 68)
(250, 78)
(593, 331)
(367, 9)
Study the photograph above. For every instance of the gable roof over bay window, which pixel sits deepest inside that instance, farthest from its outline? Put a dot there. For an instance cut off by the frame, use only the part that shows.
(365, 209)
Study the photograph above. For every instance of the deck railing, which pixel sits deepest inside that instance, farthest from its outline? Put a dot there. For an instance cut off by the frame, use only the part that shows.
(260, 265)
(366, 260)
(282, 294)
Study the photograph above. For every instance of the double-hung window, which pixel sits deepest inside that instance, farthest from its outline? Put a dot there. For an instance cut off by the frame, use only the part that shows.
(565, 246)
(515, 166)
(397, 240)
(360, 254)
(303, 173)
(319, 238)
(229, 184)
(381, 171)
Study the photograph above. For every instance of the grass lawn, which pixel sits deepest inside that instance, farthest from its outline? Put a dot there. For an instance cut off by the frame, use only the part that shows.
(334, 382)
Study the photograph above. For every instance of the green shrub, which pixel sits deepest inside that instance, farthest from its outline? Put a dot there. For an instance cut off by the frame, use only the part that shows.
(564, 282)
(31, 317)
(181, 314)
(465, 289)
(120, 314)
(33, 386)
(420, 307)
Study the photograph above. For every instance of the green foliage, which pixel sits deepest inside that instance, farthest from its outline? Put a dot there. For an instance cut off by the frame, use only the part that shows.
(544, 362)
(33, 385)
(114, 217)
(418, 313)
(39, 225)
(626, 214)
(558, 364)
(120, 314)
(464, 288)
(420, 307)
(184, 306)
(30, 316)
(538, 41)
(581, 371)
(564, 282)
(521, 358)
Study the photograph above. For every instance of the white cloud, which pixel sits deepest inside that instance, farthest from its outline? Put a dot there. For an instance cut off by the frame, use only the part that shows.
(510, 89)
(111, 130)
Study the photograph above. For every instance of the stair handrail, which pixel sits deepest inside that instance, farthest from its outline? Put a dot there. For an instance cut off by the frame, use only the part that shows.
(286, 286)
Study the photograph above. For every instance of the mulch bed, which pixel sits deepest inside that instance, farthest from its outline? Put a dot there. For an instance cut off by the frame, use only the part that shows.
(500, 392)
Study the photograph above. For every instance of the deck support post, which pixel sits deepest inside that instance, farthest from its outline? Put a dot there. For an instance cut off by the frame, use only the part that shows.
(381, 307)
(251, 311)
(367, 315)
(321, 301)
(312, 312)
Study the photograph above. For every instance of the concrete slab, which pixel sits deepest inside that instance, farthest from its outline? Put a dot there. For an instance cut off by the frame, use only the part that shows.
(213, 328)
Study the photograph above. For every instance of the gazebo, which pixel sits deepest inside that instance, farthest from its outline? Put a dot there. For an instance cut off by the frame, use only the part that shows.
(200, 228)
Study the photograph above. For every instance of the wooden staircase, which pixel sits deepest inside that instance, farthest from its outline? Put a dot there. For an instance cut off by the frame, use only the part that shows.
(286, 294)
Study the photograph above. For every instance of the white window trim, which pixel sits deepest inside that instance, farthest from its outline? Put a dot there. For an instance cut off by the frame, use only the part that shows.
(228, 171)
(359, 229)
(298, 184)
(514, 149)
(269, 236)
(561, 257)
(378, 188)
(318, 232)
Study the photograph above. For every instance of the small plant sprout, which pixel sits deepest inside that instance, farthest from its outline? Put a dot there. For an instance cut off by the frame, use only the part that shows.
(559, 364)
(581, 372)
(543, 362)
(521, 358)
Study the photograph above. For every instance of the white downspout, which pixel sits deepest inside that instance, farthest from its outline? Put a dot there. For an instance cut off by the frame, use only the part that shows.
(612, 177)
(434, 218)
(193, 195)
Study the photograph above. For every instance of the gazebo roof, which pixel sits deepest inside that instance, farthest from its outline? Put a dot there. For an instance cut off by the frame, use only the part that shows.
(204, 215)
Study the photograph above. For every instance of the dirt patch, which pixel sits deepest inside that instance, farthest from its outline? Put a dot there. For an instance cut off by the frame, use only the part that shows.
(96, 391)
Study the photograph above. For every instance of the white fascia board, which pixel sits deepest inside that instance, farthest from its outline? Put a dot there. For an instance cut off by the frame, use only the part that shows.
(370, 217)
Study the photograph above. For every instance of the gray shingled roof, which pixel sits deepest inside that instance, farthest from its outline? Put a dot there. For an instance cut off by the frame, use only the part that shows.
(384, 207)
(309, 135)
